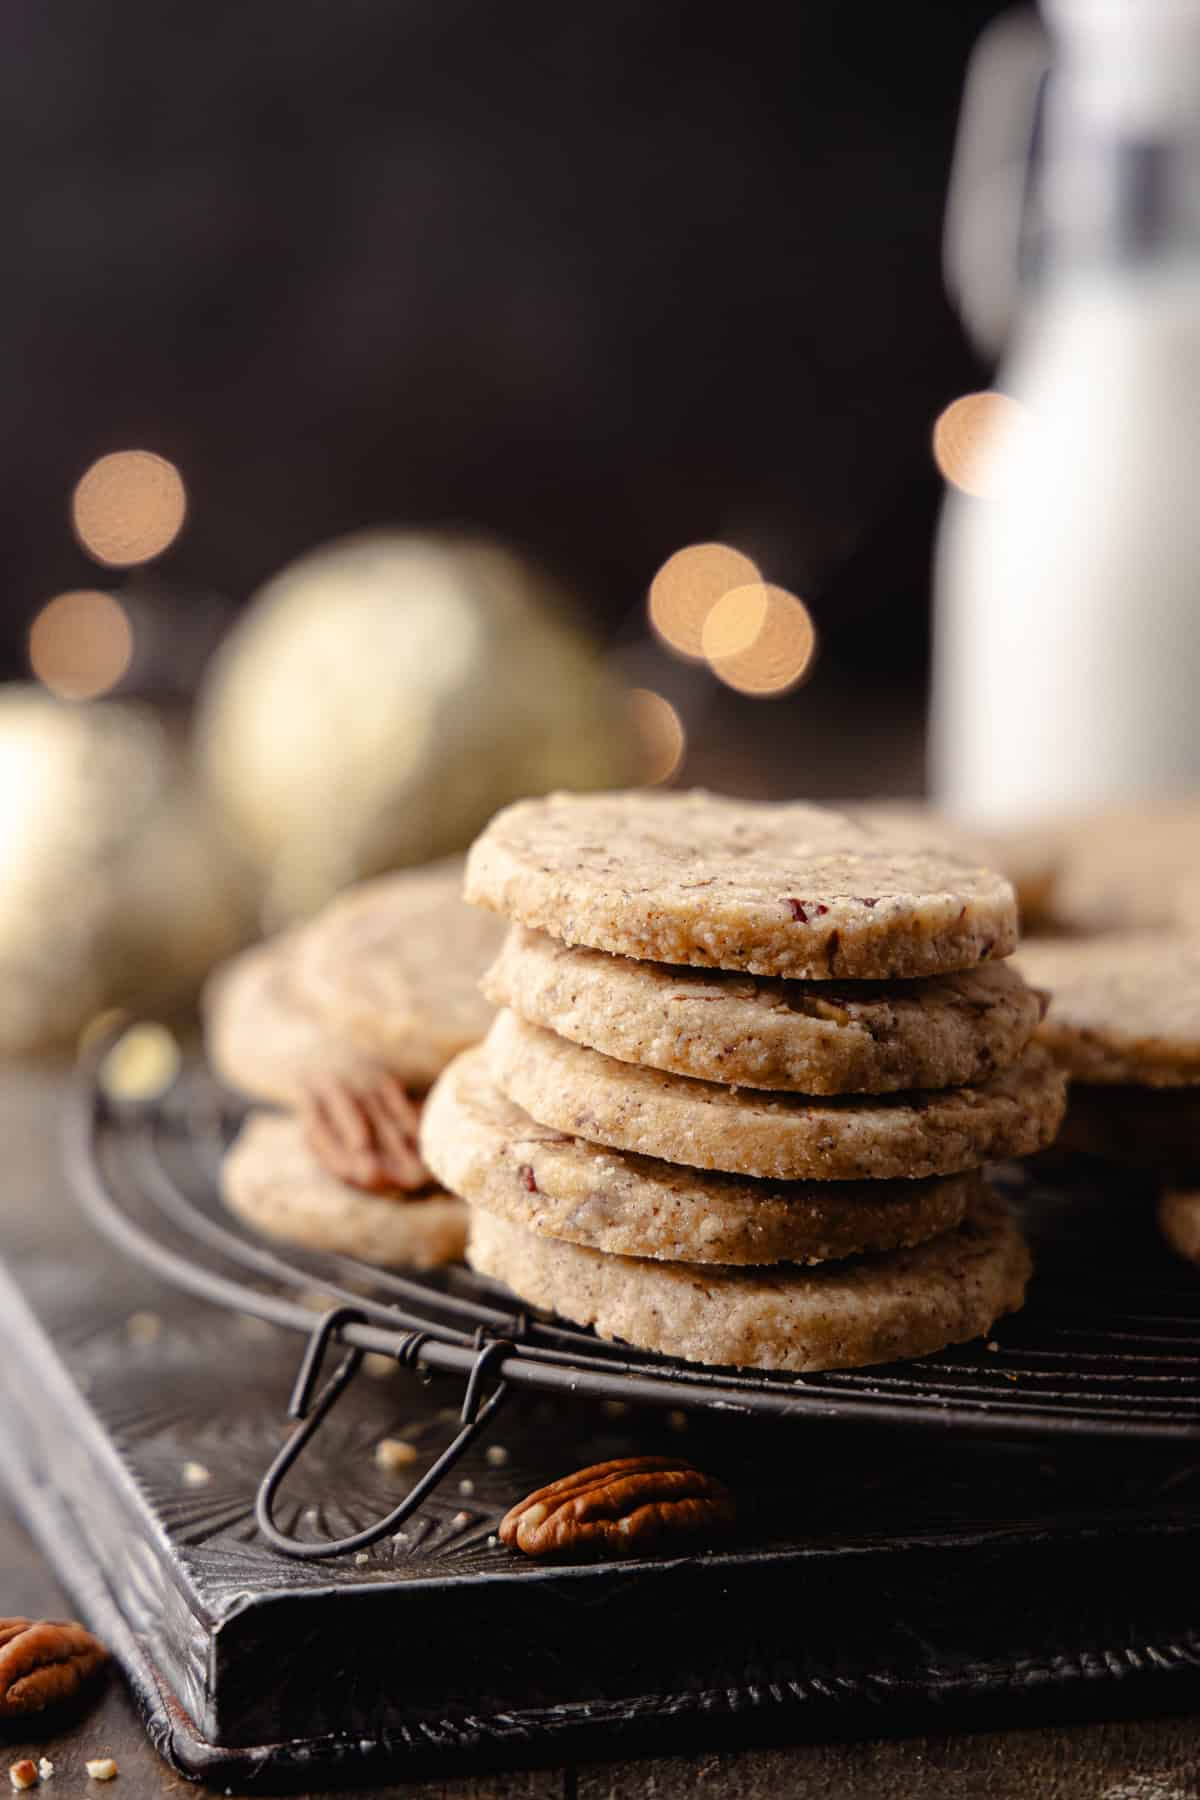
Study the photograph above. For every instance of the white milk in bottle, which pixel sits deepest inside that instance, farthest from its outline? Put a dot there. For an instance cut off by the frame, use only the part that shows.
(1067, 620)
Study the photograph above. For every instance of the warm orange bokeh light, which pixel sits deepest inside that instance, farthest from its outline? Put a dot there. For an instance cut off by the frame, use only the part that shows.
(967, 435)
(688, 586)
(128, 507)
(661, 739)
(760, 639)
(80, 644)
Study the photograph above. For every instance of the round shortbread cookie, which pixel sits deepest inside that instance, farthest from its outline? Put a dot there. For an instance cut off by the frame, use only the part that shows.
(393, 966)
(1179, 1221)
(1123, 1008)
(771, 889)
(482, 1146)
(1132, 870)
(782, 1137)
(271, 1179)
(806, 1037)
(874, 1309)
(261, 1036)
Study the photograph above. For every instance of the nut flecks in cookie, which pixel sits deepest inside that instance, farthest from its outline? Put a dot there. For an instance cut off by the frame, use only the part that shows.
(871, 1309)
(486, 1149)
(781, 1137)
(818, 1037)
(782, 889)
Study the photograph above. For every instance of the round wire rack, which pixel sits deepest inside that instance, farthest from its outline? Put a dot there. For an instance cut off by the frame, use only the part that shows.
(1108, 1345)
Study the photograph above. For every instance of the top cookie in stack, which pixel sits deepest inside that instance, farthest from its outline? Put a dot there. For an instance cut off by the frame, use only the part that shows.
(750, 1062)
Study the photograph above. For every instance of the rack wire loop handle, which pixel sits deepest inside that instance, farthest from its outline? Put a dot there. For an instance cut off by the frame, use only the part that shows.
(310, 1413)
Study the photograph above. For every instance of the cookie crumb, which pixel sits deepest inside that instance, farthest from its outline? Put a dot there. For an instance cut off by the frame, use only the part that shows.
(466, 1487)
(378, 1366)
(101, 1768)
(45, 1768)
(460, 1519)
(395, 1453)
(496, 1455)
(23, 1774)
(143, 1327)
(195, 1475)
(361, 1557)
(991, 1344)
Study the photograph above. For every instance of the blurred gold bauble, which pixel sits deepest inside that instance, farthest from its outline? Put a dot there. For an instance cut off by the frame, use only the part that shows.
(384, 695)
(114, 888)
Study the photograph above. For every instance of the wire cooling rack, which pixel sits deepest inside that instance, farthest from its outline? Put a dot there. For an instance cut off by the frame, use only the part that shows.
(1107, 1347)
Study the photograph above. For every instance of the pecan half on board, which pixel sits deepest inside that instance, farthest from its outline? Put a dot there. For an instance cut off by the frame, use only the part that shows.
(623, 1508)
(366, 1134)
(44, 1662)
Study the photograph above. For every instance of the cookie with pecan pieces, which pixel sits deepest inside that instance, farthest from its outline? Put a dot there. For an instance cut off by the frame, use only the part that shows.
(784, 1137)
(774, 889)
(842, 1315)
(807, 1037)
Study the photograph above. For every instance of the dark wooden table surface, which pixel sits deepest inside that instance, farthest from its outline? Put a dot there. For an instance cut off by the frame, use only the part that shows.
(1153, 1759)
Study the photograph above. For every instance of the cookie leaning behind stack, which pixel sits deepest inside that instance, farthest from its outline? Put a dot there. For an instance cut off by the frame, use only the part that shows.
(750, 1061)
(1124, 1023)
(345, 1022)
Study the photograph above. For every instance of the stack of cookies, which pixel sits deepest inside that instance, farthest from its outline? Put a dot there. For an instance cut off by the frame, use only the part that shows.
(343, 1024)
(750, 1062)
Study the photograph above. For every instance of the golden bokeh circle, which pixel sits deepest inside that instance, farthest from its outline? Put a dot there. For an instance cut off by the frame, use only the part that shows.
(967, 435)
(760, 639)
(80, 644)
(658, 730)
(688, 586)
(128, 507)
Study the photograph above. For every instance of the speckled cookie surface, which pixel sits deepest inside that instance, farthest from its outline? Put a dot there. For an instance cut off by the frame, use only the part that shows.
(873, 1309)
(782, 1137)
(1179, 1221)
(807, 1037)
(693, 878)
(1123, 1007)
(271, 1180)
(482, 1146)
(262, 1037)
(1030, 856)
(393, 967)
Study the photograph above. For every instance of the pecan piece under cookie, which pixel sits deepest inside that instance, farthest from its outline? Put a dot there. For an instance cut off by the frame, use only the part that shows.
(623, 1508)
(366, 1134)
(44, 1662)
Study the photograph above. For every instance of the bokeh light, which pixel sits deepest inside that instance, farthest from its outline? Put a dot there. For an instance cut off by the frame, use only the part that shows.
(660, 736)
(128, 507)
(688, 586)
(80, 644)
(760, 639)
(967, 436)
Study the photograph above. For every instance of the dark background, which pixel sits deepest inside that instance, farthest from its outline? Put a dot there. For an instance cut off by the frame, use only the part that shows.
(603, 278)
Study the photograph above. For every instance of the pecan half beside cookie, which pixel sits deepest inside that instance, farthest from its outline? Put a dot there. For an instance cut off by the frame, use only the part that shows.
(623, 1508)
(44, 1662)
(365, 1133)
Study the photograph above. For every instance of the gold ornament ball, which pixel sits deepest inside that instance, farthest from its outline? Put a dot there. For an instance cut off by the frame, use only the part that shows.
(114, 888)
(384, 695)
